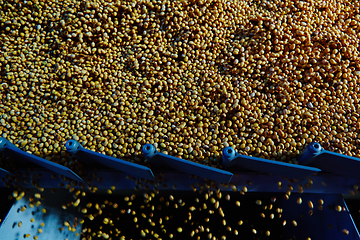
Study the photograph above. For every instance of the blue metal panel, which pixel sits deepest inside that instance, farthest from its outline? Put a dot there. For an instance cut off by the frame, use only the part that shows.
(255, 182)
(17, 222)
(315, 155)
(159, 159)
(11, 150)
(87, 156)
(232, 161)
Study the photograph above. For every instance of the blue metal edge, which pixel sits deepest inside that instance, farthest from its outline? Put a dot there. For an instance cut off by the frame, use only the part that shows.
(5, 172)
(87, 156)
(233, 160)
(179, 164)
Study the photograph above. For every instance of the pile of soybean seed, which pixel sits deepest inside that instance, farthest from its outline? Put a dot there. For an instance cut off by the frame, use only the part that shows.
(190, 77)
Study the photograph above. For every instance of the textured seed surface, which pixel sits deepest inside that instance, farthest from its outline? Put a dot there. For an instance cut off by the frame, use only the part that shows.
(189, 77)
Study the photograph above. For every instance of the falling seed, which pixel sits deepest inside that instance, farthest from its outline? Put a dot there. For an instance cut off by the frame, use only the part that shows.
(19, 224)
(15, 194)
(240, 222)
(338, 208)
(345, 231)
(227, 197)
(311, 205)
(77, 202)
(284, 222)
(321, 202)
(179, 229)
(272, 216)
(37, 195)
(40, 230)
(299, 201)
(171, 197)
(258, 202)
(267, 233)
(294, 223)
(262, 215)
(237, 203)
(224, 222)
(43, 210)
(254, 231)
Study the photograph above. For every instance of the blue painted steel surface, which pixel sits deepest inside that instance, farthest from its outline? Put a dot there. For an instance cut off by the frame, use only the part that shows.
(90, 157)
(158, 159)
(260, 182)
(14, 152)
(232, 161)
(53, 219)
(314, 155)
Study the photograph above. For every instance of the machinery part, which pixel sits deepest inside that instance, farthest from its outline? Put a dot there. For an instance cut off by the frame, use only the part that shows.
(232, 160)
(90, 157)
(17, 154)
(161, 160)
(314, 155)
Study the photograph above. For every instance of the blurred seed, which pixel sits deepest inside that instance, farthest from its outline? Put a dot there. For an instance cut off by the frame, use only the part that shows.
(338, 208)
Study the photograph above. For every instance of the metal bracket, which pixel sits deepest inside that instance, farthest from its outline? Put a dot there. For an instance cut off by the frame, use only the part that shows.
(87, 156)
(14, 152)
(233, 160)
(314, 155)
(160, 159)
